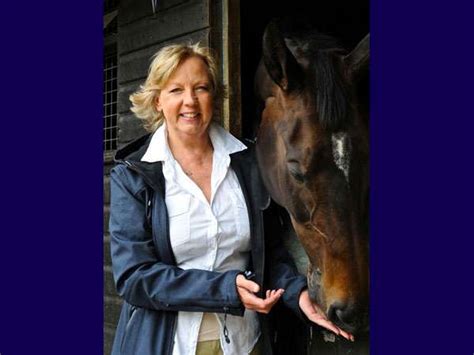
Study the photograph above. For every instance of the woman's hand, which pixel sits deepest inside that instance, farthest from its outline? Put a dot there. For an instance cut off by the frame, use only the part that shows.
(316, 315)
(247, 289)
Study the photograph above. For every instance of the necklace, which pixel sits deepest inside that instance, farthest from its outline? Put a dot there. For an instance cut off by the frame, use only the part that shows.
(192, 167)
(191, 172)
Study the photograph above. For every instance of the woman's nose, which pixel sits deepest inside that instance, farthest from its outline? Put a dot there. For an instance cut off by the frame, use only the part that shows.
(190, 98)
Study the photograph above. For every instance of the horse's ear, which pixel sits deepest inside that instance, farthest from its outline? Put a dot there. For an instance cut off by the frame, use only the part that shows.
(279, 61)
(358, 60)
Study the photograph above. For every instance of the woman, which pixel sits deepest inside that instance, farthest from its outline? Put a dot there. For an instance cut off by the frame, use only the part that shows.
(186, 223)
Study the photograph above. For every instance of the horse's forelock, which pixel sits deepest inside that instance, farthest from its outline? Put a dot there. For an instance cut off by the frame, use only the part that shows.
(332, 95)
(325, 78)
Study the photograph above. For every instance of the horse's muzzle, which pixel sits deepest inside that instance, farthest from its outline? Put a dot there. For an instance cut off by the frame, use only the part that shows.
(349, 317)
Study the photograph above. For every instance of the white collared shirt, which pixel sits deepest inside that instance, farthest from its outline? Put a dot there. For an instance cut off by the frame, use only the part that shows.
(206, 235)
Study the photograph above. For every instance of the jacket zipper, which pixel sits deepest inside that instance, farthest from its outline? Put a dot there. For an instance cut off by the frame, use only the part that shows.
(225, 330)
(173, 333)
(138, 171)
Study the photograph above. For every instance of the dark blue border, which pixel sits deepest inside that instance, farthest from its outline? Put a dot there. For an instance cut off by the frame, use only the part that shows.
(51, 148)
(422, 178)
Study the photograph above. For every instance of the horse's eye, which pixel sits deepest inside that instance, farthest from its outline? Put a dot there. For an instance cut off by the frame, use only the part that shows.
(295, 171)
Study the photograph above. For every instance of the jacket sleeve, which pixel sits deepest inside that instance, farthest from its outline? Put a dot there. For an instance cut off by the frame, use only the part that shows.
(281, 269)
(140, 277)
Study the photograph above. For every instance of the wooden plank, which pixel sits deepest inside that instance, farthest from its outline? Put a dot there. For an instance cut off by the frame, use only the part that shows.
(108, 167)
(233, 68)
(106, 257)
(109, 334)
(108, 162)
(185, 18)
(109, 285)
(106, 190)
(112, 308)
(134, 66)
(130, 128)
(133, 10)
(225, 33)
(106, 218)
(123, 94)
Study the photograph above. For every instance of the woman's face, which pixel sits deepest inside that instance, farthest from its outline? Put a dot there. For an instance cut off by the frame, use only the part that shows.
(186, 100)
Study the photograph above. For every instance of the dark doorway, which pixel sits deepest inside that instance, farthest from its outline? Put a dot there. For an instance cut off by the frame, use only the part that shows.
(348, 21)
(345, 20)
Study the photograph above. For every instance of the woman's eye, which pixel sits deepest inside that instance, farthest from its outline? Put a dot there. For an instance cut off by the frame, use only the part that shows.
(202, 88)
(175, 90)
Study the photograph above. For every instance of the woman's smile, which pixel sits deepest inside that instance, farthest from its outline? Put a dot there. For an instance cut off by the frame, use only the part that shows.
(189, 116)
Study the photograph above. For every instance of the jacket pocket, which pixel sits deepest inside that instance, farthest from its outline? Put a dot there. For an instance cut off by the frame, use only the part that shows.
(178, 214)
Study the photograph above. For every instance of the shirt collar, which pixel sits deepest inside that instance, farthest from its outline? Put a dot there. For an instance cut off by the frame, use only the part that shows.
(158, 149)
(223, 142)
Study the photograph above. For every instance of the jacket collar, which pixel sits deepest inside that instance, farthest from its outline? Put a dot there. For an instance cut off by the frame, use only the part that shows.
(130, 156)
(134, 150)
(242, 161)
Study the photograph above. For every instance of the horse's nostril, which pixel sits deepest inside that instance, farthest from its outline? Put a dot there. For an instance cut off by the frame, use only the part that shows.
(342, 314)
(349, 317)
(333, 311)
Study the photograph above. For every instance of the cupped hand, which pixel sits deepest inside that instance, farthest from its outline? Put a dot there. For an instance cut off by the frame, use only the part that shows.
(316, 315)
(247, 289)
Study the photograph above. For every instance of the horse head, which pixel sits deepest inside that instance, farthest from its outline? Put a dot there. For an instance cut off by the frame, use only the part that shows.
(312, 149)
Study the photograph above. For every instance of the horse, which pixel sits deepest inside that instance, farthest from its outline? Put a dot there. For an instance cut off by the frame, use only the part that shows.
(313, 153)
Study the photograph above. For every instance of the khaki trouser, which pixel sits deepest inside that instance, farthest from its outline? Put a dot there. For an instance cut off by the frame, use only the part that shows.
(213, 347)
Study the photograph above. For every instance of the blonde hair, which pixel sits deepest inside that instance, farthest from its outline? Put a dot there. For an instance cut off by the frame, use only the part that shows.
(164, 64)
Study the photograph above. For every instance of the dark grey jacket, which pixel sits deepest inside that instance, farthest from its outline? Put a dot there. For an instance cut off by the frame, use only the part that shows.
(154, 289)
